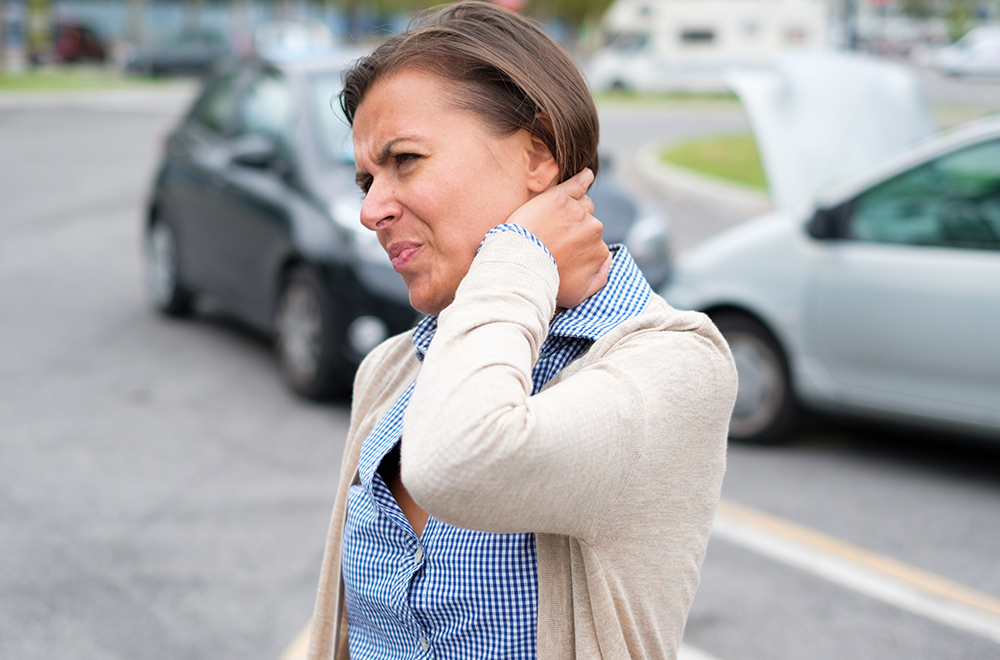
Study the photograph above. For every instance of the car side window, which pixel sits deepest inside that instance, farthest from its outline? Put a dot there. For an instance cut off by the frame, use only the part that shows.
(953, 201)
(267, 109)
(216, 107)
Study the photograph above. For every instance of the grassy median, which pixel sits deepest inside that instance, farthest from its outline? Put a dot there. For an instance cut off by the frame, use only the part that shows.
(731, 157)
(71, 78)
(714, 100)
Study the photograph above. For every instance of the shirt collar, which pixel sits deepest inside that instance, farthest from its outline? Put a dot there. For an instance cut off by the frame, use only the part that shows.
(423, 334)
(624, 296)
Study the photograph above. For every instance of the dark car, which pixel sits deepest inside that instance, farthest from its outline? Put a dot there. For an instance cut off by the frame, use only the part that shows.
(191, 53)
(71, 41)
(255, 206)
(75, 42)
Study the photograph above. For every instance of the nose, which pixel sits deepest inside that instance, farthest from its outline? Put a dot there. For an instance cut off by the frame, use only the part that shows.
(380, 207)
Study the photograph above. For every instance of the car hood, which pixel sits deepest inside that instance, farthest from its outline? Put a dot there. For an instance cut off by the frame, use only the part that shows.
(819, 116)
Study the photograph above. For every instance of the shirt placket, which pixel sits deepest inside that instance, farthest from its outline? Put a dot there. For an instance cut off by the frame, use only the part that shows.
(394, 525)
(408, 564)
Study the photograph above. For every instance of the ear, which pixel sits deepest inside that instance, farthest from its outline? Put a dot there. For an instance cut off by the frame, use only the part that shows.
(540, 165)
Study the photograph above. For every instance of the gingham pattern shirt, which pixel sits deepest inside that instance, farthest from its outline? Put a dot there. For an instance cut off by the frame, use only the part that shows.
(453, 593)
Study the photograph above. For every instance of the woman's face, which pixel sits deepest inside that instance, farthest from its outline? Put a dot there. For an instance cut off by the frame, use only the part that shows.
(436, 179)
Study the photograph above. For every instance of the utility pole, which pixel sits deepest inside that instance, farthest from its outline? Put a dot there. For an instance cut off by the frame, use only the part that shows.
(3, 36)
(136, 11)
(851, 23)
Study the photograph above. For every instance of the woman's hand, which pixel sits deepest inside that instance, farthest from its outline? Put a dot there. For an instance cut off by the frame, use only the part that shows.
(562, 218)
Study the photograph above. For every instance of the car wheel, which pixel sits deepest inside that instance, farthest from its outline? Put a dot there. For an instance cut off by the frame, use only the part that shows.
(309, 338)
(765, 409)
(163, 271)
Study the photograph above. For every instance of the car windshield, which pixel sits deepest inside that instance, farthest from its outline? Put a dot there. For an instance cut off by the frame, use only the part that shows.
(334, 133)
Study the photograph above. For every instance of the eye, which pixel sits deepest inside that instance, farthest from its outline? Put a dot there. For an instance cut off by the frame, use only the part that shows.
(404, 158)
(365, 183)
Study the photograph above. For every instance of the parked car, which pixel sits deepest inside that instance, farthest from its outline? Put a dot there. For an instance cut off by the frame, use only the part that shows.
(282, 39)
(255, 206)
(689, 45)
(975, 54)
(76, 42)
(878, 296)
(191, 53)
(72, 41)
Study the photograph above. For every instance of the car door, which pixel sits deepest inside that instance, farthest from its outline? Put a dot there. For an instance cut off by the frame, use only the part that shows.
(194, 199)
(905, 313)
(259, 191)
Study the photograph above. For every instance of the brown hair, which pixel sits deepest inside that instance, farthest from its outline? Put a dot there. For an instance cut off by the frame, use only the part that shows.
(504, 68)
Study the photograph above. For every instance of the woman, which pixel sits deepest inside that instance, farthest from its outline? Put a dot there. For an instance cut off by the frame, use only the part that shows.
(531, 472)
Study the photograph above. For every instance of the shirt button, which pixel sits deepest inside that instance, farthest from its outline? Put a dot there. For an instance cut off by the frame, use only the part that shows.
(418, 557)
(424, 644)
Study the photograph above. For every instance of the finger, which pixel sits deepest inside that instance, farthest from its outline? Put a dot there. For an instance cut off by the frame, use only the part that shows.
(588, 204)
(576, 186)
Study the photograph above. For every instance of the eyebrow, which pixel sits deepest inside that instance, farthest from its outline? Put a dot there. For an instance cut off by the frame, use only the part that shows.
(383, 155)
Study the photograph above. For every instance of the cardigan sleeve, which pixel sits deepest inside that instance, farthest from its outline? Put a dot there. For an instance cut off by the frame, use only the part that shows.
(479, 451)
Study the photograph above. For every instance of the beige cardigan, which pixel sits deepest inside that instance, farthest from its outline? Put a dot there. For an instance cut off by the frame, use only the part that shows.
(616, 465)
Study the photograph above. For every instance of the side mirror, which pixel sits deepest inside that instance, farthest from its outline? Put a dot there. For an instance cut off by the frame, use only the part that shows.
(827, 224)
(257, 151)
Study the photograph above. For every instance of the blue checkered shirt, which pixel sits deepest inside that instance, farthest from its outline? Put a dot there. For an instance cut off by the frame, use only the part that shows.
(453, 593)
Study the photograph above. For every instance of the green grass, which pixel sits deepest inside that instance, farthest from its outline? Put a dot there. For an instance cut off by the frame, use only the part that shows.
(70, 78)
(720, 99)
(731, 157)
(952, 115)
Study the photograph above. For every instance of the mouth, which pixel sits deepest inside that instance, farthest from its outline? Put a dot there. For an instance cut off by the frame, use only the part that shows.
(402, 253)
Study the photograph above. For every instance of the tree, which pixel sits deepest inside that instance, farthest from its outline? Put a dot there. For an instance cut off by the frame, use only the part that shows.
(960, 18)
(574, 12)
(918, 8)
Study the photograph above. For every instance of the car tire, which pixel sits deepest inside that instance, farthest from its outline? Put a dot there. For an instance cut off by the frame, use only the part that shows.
(765, 410)
(163, 276)
(309, 337)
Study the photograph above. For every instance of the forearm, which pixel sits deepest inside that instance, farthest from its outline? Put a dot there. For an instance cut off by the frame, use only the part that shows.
(479, 450)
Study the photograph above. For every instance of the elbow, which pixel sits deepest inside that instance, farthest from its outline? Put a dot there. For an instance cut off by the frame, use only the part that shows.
(437, 494)
(432, 472)
(458, 476)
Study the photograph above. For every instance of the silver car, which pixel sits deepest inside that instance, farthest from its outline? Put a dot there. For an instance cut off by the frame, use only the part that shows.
(877, 295)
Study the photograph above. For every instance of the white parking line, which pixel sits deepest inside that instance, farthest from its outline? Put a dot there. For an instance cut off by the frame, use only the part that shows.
(299, 648)
(873, 575)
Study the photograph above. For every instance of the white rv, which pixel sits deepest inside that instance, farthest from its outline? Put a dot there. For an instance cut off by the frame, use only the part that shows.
(664, 45)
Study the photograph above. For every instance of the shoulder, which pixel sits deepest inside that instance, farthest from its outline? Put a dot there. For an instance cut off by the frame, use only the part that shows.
(671, 352)
(661, 323)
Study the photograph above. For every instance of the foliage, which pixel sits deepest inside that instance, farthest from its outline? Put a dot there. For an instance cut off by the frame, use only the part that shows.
(918, 8)
(574, 12)
(960, 18)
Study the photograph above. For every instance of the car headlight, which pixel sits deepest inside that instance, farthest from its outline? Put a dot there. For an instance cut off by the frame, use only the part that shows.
(648, 241)
(346, 212)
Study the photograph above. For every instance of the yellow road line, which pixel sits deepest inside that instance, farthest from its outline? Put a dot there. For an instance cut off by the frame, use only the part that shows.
(920, 580)
(928, 583)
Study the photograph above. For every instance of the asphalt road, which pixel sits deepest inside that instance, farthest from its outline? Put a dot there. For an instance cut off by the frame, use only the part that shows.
(163, 496)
